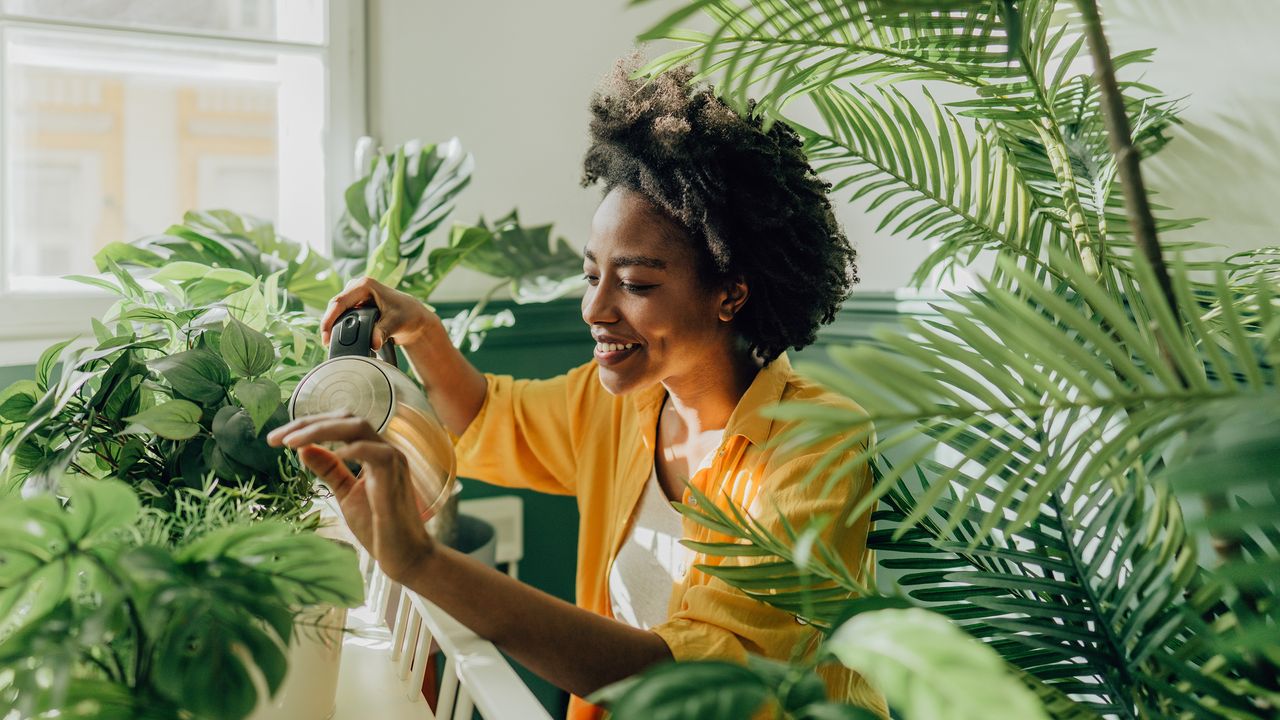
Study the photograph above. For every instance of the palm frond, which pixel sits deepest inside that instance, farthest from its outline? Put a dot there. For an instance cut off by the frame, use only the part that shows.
(1235, 457)
(778, 50)
(999, 368)
(961, 192)
(815, 585)
(1093, 600)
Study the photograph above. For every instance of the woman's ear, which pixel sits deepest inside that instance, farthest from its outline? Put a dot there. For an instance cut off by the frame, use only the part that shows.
(733, 298)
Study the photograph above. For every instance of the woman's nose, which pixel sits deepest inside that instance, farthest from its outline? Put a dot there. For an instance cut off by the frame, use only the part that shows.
(597, 306)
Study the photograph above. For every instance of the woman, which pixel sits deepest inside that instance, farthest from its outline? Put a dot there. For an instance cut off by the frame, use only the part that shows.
(713, 251)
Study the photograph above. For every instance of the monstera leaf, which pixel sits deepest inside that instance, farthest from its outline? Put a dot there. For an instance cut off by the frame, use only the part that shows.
(391, 211)
(539, 270)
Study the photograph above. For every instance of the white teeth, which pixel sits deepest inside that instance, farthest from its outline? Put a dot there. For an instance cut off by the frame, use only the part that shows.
(614, 347)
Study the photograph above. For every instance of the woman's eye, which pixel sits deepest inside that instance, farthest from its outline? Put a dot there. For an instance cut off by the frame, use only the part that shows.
(592, 280)
(632, 287)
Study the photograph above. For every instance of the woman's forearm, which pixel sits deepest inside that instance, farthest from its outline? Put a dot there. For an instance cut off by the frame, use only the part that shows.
(456, 389)
(572, 648)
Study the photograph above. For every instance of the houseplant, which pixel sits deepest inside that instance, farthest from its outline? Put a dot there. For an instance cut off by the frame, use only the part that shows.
(216, 321)
(219, 275)
(1045, 444)
(106, 617)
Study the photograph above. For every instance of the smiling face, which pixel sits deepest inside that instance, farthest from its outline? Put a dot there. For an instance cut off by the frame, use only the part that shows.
(651, 315)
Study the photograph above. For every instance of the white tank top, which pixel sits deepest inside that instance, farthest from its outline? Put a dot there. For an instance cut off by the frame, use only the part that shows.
(650, 561)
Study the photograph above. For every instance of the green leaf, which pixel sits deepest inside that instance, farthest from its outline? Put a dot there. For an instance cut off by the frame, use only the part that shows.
(707, 690)
(198, 374)
(122, 254)
(17, 400)
(248, 306)
(305, 568)
(391, 211)
(174, 420)
(240, 441)
(259, 397)
(927, 668)
(48, 358)
(313, 281)
(248, 352)
(95, 508)
(463, 240)
(538, 269)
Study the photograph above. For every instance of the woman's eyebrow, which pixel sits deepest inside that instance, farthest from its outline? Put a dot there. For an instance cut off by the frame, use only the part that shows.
(631, 260)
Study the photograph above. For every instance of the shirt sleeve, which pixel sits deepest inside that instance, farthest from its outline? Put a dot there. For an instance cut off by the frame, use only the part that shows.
(527, 432)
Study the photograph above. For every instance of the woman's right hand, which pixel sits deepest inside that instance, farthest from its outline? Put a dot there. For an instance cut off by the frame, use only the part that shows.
(401, 317)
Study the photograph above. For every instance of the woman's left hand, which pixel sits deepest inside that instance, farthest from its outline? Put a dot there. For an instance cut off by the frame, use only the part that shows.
(379, 505)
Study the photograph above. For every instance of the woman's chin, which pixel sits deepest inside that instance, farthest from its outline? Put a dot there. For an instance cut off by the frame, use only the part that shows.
(620, 383)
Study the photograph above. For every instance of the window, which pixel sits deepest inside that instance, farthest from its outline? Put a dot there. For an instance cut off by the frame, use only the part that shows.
(116, 116)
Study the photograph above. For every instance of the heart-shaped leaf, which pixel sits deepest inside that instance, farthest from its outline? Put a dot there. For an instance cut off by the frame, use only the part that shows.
(239, 441)
(198, 374)
(17, 400)
(259, 397)
(248, 352)
(174, 420)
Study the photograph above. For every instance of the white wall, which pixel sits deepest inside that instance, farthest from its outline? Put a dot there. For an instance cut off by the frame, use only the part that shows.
(511, 79)
(1224, 163)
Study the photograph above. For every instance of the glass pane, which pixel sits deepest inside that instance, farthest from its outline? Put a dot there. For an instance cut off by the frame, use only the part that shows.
(108, 140)
(290, 20)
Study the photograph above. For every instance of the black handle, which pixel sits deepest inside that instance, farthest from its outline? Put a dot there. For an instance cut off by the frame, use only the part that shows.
(352, 334)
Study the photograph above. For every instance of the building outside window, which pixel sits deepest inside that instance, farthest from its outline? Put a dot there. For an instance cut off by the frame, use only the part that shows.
(119, 115)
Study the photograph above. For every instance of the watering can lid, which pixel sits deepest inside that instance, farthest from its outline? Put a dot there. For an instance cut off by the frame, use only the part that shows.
(350, 380)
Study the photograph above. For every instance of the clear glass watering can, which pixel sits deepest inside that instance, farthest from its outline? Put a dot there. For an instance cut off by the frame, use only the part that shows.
(375, 389)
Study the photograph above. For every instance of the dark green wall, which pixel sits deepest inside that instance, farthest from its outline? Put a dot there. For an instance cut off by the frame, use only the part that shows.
(549, 339)
(14, 373)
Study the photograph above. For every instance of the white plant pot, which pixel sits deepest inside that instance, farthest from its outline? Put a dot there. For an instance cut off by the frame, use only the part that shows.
(310, 687)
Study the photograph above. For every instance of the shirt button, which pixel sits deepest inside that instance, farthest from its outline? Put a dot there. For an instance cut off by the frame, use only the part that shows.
(693, 502)
(801, 621)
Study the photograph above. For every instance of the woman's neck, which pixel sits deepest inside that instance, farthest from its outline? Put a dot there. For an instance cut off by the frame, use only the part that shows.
(704, 399)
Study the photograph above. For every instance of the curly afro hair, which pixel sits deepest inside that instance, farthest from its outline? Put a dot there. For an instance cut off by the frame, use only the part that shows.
(746, 197)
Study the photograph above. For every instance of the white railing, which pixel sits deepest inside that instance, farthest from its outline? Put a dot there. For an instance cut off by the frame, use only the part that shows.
(395, 660)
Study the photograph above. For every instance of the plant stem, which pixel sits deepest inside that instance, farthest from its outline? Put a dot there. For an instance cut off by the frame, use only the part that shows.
(465, 326)
(1138, 208)
(1136, 201)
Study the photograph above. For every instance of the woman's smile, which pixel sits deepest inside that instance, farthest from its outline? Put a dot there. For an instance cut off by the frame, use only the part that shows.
(610, 354)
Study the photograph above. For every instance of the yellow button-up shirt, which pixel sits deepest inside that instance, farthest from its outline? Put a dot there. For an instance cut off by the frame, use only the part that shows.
(568, 435)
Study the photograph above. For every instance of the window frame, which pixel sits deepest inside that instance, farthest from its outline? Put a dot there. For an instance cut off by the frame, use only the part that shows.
(33, 320)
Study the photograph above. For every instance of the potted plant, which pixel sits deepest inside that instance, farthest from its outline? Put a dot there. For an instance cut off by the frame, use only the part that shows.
(216, 321)
(1055, 448)
(106, 617)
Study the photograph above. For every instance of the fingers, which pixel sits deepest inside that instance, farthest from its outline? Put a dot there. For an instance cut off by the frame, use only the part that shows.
(330, 469)
(390, 494)
(339, 426)
(402, 317)
(358, 292)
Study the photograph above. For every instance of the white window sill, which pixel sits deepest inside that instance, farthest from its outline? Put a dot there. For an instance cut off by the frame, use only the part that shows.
(32, 321)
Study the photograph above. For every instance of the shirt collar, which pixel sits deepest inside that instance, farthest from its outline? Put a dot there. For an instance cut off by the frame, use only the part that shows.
(765, 391)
